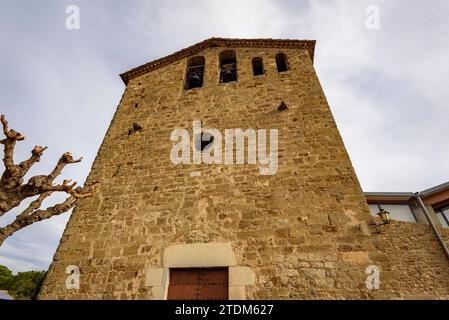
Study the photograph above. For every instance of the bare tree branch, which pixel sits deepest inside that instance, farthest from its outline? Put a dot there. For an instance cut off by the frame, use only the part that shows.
(36, 154)
(10, 142)
(34, 205)
(33, 214)
(24, 220)
(65, 159)
(13, 191)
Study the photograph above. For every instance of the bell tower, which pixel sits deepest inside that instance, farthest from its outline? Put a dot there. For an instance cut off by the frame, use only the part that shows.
(222, 227)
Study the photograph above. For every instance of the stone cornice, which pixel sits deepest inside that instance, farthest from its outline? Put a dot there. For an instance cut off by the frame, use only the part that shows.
(309, 45)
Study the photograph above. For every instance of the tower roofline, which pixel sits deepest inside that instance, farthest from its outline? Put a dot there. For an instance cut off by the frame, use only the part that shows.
(309, 45)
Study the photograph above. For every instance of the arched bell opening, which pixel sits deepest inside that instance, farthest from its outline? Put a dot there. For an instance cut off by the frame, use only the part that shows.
(195, 72)
(228, 66)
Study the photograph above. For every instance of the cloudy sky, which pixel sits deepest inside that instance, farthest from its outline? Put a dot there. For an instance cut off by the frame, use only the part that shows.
(387, 87)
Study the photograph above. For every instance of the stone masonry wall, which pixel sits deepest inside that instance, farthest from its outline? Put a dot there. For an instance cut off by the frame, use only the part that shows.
(412, 263)
(303, 231)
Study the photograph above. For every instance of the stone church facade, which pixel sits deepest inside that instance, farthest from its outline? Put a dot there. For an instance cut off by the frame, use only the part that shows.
(158, 230)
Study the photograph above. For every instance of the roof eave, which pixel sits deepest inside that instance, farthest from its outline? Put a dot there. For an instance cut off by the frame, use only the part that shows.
(436, 189)
(309, 45)
(435, 195)
(388, 197)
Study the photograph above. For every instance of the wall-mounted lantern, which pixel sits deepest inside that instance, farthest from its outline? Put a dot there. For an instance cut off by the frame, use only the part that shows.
(384, 216)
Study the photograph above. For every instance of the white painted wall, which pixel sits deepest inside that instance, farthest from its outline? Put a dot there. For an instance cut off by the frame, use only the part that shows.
(440, 217)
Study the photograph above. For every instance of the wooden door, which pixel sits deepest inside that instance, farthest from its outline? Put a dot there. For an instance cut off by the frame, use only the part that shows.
(198, 284)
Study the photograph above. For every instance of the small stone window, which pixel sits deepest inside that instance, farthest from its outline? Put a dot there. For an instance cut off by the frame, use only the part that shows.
(258, 67)
(195, 73)
(281, 62)
(228, 66)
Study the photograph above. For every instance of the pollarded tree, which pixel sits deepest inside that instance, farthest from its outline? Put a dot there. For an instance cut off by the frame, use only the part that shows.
(13, 190)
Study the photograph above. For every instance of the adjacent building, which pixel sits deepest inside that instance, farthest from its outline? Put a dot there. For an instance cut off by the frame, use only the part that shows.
(402, 206)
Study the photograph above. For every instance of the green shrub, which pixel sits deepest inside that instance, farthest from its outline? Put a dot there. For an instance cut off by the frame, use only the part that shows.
(6, 277)
(24, 285)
